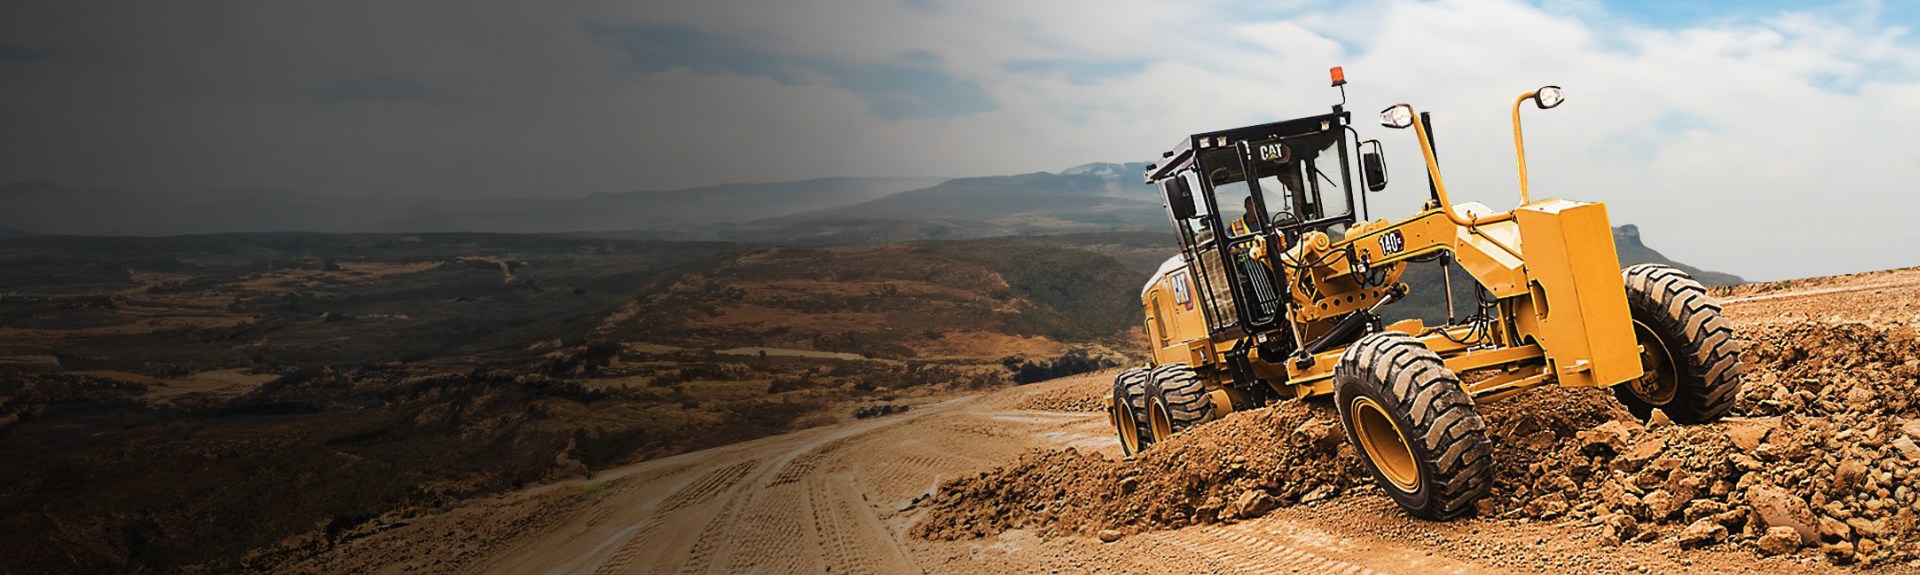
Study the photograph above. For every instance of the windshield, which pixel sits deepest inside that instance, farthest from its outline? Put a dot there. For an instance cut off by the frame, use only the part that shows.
(1302, 181)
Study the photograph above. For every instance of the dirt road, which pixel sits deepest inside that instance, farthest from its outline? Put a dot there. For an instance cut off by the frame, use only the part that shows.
(841, 499)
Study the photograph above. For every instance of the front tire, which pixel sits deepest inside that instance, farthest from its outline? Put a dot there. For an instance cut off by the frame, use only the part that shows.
(1417, 429)
(1691, 358)
(1178, 400)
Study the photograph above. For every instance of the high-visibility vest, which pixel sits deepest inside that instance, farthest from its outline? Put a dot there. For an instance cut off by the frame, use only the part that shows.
(1239, 227)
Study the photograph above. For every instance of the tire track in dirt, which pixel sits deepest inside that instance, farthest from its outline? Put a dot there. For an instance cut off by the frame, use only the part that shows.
(707, 486)
(1288, 547)
(727, 501)
(805, 464)
(700, 553)
(851, 537)
(1247, 554)
(774, 530)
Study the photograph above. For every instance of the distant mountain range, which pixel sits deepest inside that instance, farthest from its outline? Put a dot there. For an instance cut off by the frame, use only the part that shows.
(1090, 198)
(50, 208)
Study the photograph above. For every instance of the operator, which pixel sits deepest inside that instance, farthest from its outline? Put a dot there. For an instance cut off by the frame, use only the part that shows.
(1248, 221)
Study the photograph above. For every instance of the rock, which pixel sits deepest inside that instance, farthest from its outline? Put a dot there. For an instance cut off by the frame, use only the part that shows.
(1213, 507)
(1614, 495)
(1847, 477)
(1834, 530)
(1617, 528)
(1484, 506)
(1906, 447)
(1903, 521)
(1779, 509)
(1860, 398)
(1255, 503)
(1779, 541)
(1684, 487)
(1539, 441)
(1319, 435)
(1867, 528)
(1127, 484)
(1645, 451)
(1867, 546)
(1548, 506)
(1733, 519)
(1841, 552)
(1658, 419)
(1109, 535)
(1702, 508)
(1612, 436)
(1748, 435)
(1321, 493)
(1910, 428)
(1659, 503)
(1702, 532)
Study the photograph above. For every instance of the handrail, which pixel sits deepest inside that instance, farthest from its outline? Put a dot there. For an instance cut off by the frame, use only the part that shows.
(1440, 185)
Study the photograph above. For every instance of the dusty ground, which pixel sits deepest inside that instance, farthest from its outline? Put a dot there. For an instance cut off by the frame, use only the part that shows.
(854, 497)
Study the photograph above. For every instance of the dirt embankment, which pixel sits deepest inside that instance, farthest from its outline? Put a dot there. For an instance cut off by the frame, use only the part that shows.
(1241, 466)
(1820, 459)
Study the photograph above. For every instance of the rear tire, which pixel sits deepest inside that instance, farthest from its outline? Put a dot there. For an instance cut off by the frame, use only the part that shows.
(1691, 357)
(1129, 411)
(1178, 400)
(1417, 429)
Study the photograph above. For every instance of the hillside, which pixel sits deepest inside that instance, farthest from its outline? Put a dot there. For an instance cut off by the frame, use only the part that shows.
(1626, 240)
(977, 299)
(221, 402)
(646, 210)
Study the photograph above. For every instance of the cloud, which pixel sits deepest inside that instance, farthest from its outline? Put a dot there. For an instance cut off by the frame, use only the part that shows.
(1769, 140)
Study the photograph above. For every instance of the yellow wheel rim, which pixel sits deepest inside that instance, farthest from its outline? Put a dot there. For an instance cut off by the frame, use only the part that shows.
(1385, 445)
(1124, 425)
(1661, 381)
(1157, 418)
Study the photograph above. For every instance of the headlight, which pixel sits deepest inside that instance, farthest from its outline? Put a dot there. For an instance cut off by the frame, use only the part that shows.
(1548, 97)
(1399, 116)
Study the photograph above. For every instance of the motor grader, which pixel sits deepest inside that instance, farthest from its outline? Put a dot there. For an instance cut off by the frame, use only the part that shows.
(1278, 290)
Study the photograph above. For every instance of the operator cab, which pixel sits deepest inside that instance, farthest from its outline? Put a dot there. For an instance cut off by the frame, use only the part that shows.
(1234, 195)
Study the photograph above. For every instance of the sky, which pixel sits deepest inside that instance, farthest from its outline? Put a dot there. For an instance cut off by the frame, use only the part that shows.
(1768, 139)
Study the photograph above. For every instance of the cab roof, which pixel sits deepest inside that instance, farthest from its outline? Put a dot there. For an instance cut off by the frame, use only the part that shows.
(1182, 155)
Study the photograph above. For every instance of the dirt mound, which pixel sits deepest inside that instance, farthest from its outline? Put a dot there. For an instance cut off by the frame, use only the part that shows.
(1076, 398)
(1225, 470)
(1822, 456)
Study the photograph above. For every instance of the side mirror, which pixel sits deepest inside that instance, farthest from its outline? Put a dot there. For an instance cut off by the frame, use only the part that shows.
(1179, 196)
(1373, 167)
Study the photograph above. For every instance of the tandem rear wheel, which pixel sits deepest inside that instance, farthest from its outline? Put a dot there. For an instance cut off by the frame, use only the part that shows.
(1160, 402)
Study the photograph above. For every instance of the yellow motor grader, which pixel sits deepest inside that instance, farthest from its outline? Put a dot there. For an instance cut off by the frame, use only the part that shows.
(1277, 289)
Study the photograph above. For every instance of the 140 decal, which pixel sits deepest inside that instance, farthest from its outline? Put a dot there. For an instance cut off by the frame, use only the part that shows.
(1392, 243)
